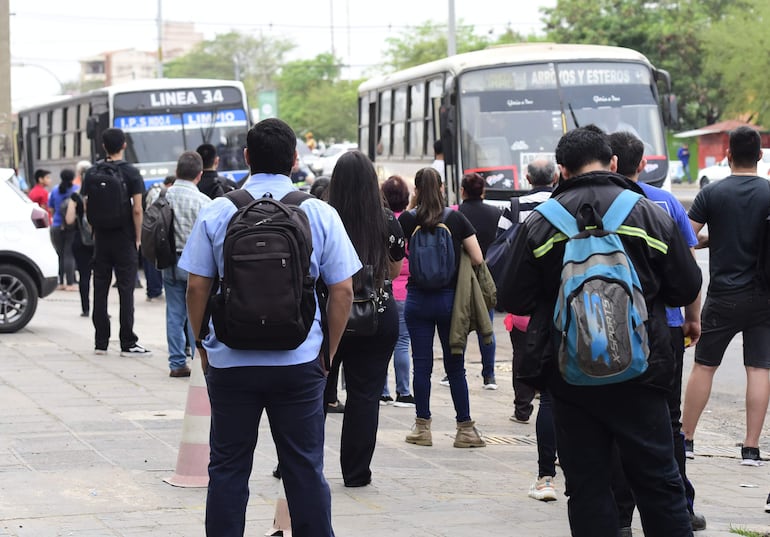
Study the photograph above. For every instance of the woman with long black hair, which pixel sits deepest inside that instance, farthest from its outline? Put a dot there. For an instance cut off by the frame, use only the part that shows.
(429, 309)
(354, 192)
(63, 235)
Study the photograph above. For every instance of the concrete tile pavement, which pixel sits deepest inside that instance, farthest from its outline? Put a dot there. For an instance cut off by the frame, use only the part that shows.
(85, 442)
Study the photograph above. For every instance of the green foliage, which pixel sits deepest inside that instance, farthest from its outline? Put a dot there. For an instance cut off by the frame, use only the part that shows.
(748, 533)
(736, 56)
(428, 42)
(312, 97)
(253, 60)
(669, 32)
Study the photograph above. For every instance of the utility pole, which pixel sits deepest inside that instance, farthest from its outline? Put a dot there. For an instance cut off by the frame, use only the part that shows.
(331, 23)
(451, 42)
(6, 119)
(160, 38)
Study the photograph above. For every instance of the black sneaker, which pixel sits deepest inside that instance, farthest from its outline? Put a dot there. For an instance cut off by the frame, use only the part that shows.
(697, 521)
(767, 504)
(135, 350)
(404, 401)
(689, 449)
(386, 400)
(750, 456)
(490, 383)
(444, 381)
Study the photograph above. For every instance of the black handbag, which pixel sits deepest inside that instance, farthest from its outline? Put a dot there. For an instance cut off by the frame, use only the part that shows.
(368, 303)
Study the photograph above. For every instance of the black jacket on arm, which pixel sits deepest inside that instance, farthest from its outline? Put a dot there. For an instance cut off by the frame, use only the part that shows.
(667, 272)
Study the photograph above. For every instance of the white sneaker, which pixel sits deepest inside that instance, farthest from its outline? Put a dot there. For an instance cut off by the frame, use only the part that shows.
(543, 490)
(136, 350)
(444, 382)
(100, 352)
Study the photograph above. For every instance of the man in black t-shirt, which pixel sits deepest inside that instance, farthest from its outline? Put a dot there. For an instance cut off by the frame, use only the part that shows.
(211, 183)
(117, 249)
(734, 209)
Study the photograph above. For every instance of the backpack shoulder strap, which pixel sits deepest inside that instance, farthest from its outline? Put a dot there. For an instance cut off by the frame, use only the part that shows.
(240, 197)
(295, 197)
(558, 216)
(619, 210)
(515, 210)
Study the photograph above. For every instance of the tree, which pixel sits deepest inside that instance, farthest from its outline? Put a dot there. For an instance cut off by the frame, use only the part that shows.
(428, 42)
(253, 60)
(736, 57)
(669, 32)
(312, 97)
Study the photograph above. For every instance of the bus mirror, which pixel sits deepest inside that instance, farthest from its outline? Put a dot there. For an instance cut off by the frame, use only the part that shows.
(91, 127)
(447, 125)
(671, 110)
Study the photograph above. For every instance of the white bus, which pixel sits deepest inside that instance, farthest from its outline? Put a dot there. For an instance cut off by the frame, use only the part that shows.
(496, 110)
(161, 118)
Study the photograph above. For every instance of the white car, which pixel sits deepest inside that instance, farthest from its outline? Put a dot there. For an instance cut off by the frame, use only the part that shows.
(327, 159)
(29, 266)
(720, 170)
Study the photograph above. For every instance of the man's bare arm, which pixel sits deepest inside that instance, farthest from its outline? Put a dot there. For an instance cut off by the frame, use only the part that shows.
(137, 213)
(198, 290)
(691, 327)
(703, 239)
(338, 311)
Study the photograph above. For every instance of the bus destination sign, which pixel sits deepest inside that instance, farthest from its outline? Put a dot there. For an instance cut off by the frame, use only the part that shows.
(178, 99)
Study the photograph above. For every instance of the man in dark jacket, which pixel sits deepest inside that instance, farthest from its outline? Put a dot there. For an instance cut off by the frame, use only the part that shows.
(212, 184)
(634, 413)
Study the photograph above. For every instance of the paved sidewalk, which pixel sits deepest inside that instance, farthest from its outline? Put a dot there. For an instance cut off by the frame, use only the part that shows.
(85, 442)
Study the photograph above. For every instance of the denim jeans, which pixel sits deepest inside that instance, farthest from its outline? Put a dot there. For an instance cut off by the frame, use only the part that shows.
(292, 397)
(154, 279)
(589, 422)
(426, 312)
(487, 352)
(178, 330)
(546, 437)
(400, 356)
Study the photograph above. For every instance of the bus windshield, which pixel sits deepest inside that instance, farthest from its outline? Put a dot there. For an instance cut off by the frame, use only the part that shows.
(163, 137)
(513, 115)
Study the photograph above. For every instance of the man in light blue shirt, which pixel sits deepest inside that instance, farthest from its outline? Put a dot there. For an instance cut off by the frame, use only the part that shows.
(289, 385)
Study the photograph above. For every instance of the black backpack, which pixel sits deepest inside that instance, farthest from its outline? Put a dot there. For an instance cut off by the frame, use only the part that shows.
(108, 204)
(266, 299)
(158, 245)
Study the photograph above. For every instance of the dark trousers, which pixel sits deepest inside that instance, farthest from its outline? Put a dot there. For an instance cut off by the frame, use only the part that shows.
(114, 250)
(622, 490)
(154, 278)
(546, 437)
(292, 396)
(62, 241)
(83, 259)
(589, 423)
(523, 394)
(365, 361)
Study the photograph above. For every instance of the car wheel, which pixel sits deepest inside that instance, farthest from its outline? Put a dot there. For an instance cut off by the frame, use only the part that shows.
(18, 298)
(704, 181)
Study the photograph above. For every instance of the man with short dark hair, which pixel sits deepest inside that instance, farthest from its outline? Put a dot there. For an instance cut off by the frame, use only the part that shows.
(288, 385)
(438, 160)
(630, 153)
(116, 249)
(735, 209)
(633, 414)
(211, 183)
(186, 201)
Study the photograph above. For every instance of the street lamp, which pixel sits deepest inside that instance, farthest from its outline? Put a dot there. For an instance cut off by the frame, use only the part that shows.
(42, 67)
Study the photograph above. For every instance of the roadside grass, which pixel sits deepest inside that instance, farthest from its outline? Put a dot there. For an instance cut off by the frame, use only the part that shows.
(748, 533)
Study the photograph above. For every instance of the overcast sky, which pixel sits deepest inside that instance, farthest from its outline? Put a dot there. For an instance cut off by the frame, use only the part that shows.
(48, 37)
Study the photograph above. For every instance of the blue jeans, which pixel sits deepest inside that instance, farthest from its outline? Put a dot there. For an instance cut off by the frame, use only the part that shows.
(292, 396)
(426, 312)
(589, 422)
(546, 437)
(178, 329)
(154, 279)
(487, 352)
(400, 356)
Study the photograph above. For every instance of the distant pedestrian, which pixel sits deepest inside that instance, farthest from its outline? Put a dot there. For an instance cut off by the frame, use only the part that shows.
(734, 209)
(396, 193)
(115, 247)
(212, 184)
(438, 160)
(83, 251)
(63, 235)
(684, 157)
(484, 218)
(39, 192)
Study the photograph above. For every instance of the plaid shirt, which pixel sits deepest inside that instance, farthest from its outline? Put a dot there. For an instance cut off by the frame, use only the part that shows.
(186, 200)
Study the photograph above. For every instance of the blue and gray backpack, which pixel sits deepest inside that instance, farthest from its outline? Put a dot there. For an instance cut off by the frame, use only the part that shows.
(432, 255)
(600, 310)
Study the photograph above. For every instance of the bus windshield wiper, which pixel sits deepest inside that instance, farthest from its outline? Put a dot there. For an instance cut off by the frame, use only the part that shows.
(574, 117)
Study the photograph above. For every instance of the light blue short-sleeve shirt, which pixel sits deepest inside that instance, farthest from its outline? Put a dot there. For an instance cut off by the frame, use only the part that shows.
(334, 259)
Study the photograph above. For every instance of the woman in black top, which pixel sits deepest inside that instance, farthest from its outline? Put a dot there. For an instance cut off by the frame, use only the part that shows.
(354, 192)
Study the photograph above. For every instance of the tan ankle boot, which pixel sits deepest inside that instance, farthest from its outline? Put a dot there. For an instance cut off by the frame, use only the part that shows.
(468, 436)
(420, 434)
